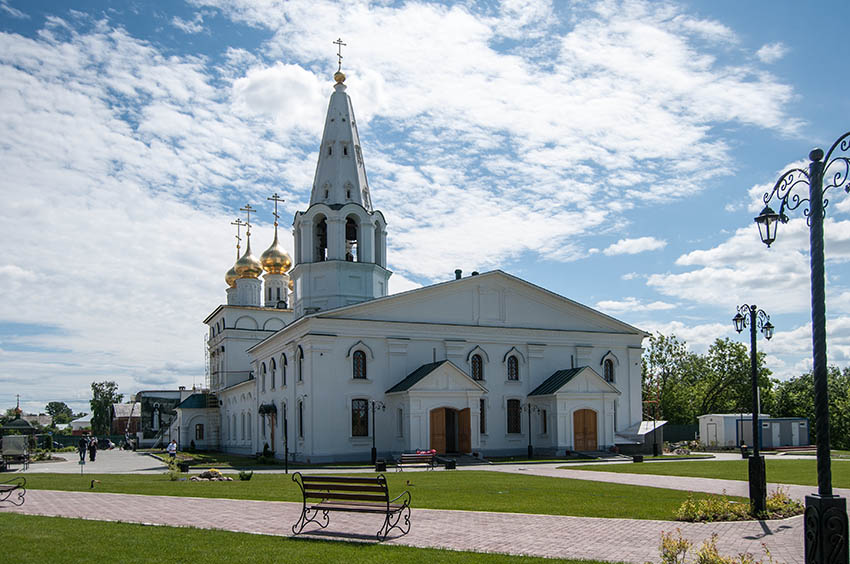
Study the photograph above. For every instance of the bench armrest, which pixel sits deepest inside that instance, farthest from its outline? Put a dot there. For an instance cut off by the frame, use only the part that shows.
(406, 502)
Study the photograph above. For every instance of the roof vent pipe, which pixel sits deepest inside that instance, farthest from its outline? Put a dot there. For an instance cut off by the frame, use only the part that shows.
(475, 273)
(458, 272)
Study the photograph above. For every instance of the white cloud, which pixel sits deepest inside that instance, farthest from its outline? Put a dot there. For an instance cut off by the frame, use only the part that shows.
(771, 52)
(195, 25)
(635, 246)
(632, 304)
(13, 12)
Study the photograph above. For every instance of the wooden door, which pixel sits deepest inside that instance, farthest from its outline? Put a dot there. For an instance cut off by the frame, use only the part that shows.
(438, 430)
(464, 432)
(584, 429)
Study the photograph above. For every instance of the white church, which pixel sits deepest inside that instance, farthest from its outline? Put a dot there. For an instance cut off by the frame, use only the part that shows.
(313, 358)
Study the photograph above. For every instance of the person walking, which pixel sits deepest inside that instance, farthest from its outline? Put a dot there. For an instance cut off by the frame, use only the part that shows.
(171, 449)
(82, 446)
(92, 449)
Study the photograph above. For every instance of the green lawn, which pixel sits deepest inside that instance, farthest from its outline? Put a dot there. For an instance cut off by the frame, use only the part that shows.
(469, 490)
(802, 472)
(34, 540)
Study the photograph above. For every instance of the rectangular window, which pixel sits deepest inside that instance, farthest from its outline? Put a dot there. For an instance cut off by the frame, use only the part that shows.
(400, 414)
(359, 418)
(482, 409)
(514, 419)
(543, 423)
(199, 432)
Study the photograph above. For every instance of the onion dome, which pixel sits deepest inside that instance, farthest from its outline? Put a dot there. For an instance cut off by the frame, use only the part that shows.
(231, 276)
(275, 260)
(248, 266)
(339, 77)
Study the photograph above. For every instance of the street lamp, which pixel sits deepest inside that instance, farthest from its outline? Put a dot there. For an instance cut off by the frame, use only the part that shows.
(375, 405)
(755, 318)
(530, 408)
(826, 526)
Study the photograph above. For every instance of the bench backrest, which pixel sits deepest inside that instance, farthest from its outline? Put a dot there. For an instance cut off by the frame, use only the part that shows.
(343, 488)
(419, 457)
(14, 445)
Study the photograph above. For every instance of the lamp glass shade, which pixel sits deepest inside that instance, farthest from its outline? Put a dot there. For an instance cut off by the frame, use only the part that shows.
(739, 322)
(768, 330)
(768, 222)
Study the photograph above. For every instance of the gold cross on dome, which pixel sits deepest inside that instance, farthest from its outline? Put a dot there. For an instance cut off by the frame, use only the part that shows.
(339, 45)
(238, 223)
(248, 210)
(275, 198)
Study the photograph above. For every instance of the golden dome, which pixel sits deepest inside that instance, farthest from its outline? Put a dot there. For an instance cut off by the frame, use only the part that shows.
(275, 260)
(248, 266)
(339, 77)
(231, 277)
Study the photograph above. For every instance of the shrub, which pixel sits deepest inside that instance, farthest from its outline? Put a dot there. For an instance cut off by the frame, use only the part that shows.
(721, 508)
(245, 476)
(674, 550)
(780, 505)
(173, 471)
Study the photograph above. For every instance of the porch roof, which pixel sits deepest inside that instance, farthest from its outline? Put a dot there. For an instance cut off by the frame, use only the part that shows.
(555, 382)
(415, 376)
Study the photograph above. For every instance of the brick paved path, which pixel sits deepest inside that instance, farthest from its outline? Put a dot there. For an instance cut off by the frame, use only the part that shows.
(540, 535)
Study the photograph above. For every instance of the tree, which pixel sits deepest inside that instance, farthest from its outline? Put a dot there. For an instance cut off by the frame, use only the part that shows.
(59, 411)
(666, 367)
(795, 398)
(104, 394)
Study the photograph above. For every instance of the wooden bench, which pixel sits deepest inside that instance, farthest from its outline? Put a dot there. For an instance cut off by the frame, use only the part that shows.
(322, 494)
(13, 491)
(426, 459)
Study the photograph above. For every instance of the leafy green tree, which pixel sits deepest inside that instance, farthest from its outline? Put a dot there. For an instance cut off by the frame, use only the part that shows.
(104, 394)
(666, 369)
(59, 411)
(796, 398)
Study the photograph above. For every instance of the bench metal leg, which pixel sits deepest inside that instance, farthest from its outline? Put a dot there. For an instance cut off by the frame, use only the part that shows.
(15, 494)
(306, 518)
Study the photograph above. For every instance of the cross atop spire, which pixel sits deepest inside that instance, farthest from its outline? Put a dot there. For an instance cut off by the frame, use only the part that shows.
(339, 45)
(275, 198)
(248, 210)
(238, 223)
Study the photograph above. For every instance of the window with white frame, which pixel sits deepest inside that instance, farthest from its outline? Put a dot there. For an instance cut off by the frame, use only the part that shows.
(400, 422)
(358, 365)
(359, 418)
(482, 417)
(514, 416)
(513, 368)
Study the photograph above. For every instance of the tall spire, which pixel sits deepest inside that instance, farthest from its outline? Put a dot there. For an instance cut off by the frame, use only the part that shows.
(340, 173)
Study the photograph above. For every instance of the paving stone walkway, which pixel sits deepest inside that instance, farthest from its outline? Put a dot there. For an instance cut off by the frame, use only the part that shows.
(539, 535)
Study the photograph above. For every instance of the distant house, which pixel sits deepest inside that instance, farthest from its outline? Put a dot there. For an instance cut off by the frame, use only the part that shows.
(732, 429)
(40, 420)
(80, 424)
(126, 418)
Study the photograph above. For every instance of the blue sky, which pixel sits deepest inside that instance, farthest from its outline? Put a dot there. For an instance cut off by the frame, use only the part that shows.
(613, 152)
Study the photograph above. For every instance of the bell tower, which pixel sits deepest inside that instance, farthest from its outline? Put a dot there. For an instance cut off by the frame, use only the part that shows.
(340, 240)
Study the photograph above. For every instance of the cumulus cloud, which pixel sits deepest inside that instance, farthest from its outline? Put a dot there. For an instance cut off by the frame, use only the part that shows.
(635, 246)
(632, 304)
(771, 52)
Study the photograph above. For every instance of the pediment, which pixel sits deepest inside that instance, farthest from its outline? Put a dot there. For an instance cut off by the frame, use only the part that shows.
(441, 376)
(582, 380)
(494, 299)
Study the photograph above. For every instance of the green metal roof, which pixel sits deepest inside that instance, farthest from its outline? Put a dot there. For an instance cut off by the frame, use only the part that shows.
(195, 401)
(415, 376)
(556, 381)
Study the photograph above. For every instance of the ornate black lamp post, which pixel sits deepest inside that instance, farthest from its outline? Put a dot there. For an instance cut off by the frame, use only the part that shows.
(826, 526)
(530, 408)
(375, 405)
(754, 318)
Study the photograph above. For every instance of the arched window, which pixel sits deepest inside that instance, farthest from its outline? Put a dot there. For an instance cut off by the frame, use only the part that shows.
(249, 427)
(283, 370)
(608, 370)
(273, 369)
(321, 239)
(299, 367)
(359, 418)
(514, 419)
(477, 367)
(358, 364)
(242, 424)
(513, 368)
(263, 376)
(301, 419)
(233, 430)
(351, 232)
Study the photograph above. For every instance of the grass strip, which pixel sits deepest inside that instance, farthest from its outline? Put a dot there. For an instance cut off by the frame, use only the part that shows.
(34, 540)
(466, 490)
(800, 472)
